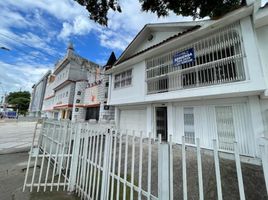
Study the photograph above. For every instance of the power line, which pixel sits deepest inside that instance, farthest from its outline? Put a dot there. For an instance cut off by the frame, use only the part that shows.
(18, 41)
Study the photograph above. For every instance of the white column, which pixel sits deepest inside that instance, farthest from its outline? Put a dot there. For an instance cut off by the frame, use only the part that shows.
(117, 116)
(256, 120)
(170, 119)
(254, 69)
(149, 120)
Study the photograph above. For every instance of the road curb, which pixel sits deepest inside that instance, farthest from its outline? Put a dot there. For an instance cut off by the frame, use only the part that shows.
(15, 150)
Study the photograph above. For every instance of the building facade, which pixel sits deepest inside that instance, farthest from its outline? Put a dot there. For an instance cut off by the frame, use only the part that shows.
(37, 96)
(74, 90)
(205, 79)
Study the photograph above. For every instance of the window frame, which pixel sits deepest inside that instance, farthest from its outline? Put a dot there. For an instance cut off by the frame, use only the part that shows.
(123, 77)
(187, 138)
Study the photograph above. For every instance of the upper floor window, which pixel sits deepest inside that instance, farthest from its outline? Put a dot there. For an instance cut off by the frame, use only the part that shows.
(214, 59)
(123, 79)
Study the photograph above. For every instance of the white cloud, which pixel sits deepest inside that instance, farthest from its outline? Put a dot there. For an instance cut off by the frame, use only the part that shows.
(122, 27)
(20, 75)
(44, 34)
(75, 21)
(81, 25)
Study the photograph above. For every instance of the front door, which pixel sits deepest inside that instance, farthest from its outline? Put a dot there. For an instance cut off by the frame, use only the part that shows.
(161, 122)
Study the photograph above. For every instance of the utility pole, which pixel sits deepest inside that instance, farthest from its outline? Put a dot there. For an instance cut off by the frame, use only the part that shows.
(5, 94)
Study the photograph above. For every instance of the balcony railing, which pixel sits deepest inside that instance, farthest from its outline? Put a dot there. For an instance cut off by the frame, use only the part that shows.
(217, 59)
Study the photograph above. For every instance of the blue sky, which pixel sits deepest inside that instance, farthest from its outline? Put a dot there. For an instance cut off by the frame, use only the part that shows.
(38, 31)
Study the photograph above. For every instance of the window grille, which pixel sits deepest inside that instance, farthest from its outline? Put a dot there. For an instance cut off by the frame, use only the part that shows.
(218, 59)
(123, 79)
(189, 125)
(225, 127)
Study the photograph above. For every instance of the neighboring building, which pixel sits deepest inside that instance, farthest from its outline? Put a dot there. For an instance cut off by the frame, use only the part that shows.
(37, 96)
(205, 79)
(74, 90)
(91, 96)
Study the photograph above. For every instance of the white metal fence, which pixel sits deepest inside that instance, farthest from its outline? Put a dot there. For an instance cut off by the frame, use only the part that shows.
(98, 162)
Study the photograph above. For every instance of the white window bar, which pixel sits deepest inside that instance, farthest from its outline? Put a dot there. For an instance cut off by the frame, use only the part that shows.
(218, 60)
(189, 131)
(225, 127)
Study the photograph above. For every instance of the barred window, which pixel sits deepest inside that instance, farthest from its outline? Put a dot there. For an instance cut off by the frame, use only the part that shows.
(217, 59)
(225, 127)
(123, 79)
(189, 132)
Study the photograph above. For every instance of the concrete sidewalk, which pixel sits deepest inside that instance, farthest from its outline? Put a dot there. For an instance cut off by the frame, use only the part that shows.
(16, 136)
(12, 174)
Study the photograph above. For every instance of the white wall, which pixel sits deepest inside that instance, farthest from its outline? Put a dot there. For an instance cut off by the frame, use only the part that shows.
(157, 38)
(133, 93)
(254, 83)
(262, 39)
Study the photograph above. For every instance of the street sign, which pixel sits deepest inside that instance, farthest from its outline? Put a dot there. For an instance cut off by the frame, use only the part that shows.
(183, 57)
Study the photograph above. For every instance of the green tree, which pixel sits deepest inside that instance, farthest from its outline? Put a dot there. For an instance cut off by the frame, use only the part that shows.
(20, 99)
(98, 9)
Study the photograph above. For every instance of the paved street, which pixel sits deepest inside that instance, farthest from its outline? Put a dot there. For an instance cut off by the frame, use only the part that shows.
(15, 136)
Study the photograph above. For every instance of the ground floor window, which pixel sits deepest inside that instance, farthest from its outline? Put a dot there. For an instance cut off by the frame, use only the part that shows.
(92, 113)
(189, 132)
(225, 127)
(56, 115)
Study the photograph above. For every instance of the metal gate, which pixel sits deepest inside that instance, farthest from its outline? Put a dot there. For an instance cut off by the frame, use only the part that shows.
(99, 162)
(89, 159)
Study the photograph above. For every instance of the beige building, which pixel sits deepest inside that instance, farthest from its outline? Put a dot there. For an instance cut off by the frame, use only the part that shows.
(76, 90)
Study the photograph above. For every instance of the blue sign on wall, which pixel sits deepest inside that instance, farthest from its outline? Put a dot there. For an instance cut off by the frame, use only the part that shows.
(183, 57)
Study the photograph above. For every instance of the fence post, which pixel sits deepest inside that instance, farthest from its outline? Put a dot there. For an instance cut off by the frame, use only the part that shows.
(75, 154)
(163, 170)
(106, 164)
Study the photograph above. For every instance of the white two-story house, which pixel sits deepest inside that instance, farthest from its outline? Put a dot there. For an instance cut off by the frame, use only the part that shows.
(202, 79)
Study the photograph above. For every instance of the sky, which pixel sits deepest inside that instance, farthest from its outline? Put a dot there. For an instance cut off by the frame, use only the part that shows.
(38, 32)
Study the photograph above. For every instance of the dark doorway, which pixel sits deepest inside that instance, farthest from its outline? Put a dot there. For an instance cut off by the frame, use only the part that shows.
(161, 122)
(92, 113)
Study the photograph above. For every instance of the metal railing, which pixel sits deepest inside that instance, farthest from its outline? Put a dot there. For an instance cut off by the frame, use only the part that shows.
(218, 59)
(101, 163)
